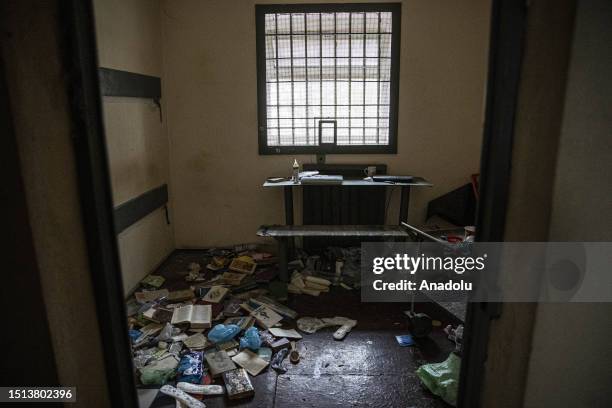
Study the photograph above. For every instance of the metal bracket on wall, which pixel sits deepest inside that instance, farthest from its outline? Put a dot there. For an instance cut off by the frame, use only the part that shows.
(157, 102)
(139, 207)
(114, 82)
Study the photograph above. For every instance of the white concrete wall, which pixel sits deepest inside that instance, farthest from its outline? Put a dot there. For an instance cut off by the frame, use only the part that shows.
(129, 38)
(210, 89)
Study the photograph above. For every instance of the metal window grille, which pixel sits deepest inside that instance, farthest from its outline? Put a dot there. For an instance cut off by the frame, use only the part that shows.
(328, 78)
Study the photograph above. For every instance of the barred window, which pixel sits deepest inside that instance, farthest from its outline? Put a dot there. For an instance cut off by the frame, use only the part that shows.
(328, 78)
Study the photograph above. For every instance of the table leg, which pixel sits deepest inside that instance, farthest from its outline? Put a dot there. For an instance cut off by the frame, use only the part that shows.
(404, 204)
(290, 242)
(283, 259)
(289, 205)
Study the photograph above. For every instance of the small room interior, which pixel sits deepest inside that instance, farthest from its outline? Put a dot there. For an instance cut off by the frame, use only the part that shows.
(189, 155)
(178, 203)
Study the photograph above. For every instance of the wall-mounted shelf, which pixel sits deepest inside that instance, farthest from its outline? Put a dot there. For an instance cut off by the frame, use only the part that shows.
(114, 82)
(137, 208)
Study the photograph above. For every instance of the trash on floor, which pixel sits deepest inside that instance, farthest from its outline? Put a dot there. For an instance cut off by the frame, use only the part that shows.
(287, 333)
(265, 353)
(218, 361)
(442, 379)
(222, 333)
(153, 281)
(455, 335)
(312, 324)
(159, 371)
(195, 342)
(250, 361)
(150, 296)
(420, 323)
(225, 323)
(238, 384)
(201, 389)
(279, 344)
(191, 367)
(182, 397)
(251, 339)
(194, 272)
(223, 318)
(277, 361)
(405, 340)
(294, 355)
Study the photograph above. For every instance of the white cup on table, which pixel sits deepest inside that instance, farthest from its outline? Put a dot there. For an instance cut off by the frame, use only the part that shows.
(370, 171)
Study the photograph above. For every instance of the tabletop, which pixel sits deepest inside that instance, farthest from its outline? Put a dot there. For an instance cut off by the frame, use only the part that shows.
(416, 181)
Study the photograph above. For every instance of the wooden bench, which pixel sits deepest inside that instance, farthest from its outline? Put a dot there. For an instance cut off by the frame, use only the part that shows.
(283, 233)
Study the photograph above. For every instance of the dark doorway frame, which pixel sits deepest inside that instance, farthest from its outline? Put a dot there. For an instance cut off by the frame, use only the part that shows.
(506, 47)
(81, 66)
(505, 55)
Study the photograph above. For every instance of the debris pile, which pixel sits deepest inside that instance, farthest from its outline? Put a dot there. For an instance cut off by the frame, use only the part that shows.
(222, 322)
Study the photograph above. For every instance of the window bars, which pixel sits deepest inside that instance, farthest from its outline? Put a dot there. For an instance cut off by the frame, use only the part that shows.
(330, 77)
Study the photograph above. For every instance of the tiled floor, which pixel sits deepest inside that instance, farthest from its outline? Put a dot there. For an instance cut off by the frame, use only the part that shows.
(366, 369)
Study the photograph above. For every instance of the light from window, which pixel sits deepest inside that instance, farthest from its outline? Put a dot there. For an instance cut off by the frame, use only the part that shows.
(328, 78)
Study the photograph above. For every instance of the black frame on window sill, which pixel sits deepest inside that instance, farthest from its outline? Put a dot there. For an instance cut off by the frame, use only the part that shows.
(261, 10)
(328, 149)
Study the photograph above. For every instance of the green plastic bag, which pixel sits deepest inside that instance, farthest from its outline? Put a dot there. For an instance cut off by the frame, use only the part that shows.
(157, 377)
(159, 372)
(442, 379)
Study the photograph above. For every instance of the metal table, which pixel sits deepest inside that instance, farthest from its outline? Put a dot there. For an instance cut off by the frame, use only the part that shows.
(285, 234)
(288, 186)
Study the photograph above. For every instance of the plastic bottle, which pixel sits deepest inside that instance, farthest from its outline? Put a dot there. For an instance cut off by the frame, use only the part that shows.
(338, 274)
(296, 171)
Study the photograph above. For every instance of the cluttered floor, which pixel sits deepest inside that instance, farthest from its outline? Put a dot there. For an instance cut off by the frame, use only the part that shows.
(259, 365)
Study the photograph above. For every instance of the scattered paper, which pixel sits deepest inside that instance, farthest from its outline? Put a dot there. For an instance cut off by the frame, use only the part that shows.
(215, 294)
(288, 333)
(150, 295)
(312, 324)
(266, 317)
(250, 361)
(196, 342)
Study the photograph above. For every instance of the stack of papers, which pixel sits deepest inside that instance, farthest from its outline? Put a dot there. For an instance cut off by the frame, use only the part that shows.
(309, 173)
(322, 179)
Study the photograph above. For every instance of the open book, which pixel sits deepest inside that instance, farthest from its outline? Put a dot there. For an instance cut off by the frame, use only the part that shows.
(250, 361)
(266, 317)
(199, 316)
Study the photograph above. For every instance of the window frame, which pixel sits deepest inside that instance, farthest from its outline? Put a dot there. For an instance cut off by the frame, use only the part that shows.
(261, 11)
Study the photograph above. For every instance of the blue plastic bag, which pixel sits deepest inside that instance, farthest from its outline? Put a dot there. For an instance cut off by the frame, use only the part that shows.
(134, 334)
(250, 339)
(222, 333)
